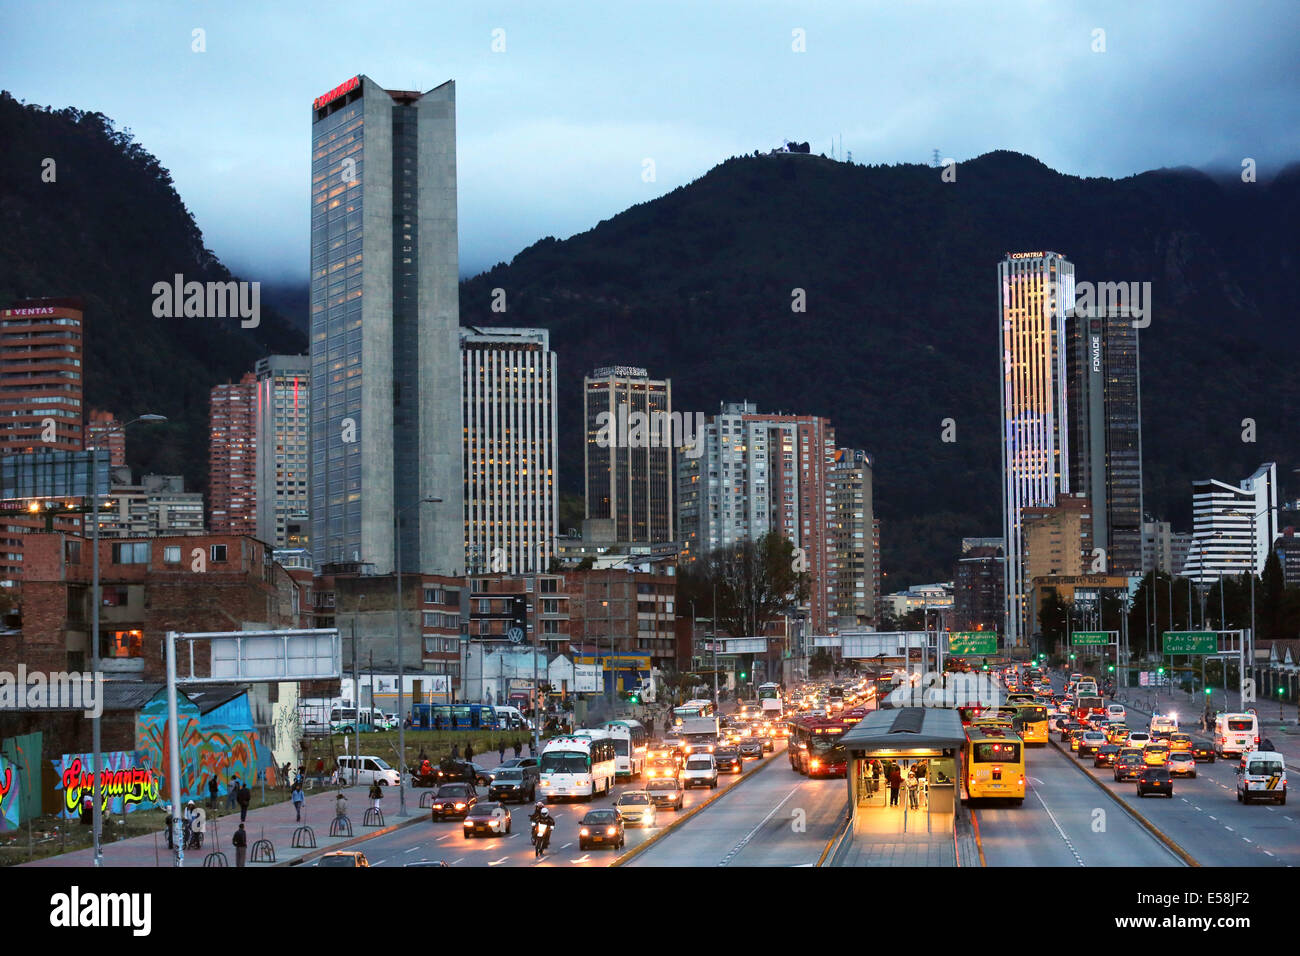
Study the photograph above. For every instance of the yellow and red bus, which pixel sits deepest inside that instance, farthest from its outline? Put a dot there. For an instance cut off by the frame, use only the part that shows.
(994, 764)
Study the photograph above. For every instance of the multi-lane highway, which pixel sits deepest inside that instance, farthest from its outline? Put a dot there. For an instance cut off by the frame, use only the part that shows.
(444, 840)
(777, 818)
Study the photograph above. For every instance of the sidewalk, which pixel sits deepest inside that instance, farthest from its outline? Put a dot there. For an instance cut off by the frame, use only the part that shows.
(899, 837)
(275, 823)
(1285, 734)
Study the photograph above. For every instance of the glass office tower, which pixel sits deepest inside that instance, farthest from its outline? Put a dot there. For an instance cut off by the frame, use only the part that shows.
(385, 370)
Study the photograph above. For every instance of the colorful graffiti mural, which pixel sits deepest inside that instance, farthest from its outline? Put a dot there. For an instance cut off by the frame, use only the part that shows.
(222, 744)
(9, 797)
(126, 782)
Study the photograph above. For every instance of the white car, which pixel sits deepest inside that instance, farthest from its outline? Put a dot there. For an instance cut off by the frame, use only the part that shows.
(1139, 738)
(1116, 712)
(700, 770)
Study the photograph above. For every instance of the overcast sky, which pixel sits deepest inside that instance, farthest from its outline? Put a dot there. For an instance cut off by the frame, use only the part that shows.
(553, 131)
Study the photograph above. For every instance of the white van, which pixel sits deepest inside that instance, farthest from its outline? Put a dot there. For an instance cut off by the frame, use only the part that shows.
(1262, 778)
(369, 769)
(1235, 733)
(511, 718)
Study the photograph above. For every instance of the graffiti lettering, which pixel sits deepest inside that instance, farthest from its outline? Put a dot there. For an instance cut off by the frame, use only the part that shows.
(8, 783)
(133, 786)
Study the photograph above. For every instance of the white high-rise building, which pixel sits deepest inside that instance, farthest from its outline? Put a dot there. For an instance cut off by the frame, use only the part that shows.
(283, 418)
(1233, 526)
(510, 450)
(1035, 293)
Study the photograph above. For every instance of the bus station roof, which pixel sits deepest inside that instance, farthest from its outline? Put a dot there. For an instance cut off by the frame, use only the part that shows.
(906, 728)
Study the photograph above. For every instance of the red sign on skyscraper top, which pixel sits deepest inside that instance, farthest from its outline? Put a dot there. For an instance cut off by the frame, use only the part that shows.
(335, 93)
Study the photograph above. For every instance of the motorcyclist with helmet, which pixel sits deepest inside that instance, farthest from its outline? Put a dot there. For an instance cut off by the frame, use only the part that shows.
(541, 815)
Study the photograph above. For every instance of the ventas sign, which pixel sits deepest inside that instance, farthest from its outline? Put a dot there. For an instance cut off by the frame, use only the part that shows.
(335, 93)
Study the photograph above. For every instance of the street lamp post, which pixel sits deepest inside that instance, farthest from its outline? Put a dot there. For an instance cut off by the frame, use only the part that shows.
(95, 741)
(401, 679)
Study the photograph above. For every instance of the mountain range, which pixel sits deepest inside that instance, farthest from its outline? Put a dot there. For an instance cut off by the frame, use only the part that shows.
(895, 266)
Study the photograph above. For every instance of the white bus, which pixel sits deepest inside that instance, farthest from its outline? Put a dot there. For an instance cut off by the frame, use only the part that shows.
(1235, 733)
(630, 743)
(692, 708)
(581, 764)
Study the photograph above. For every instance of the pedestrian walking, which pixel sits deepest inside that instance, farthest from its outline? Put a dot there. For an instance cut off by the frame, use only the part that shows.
(245, 798)
(171, 827)
(232, 792)
(895, 781)
(298, 798)
(187, 825)
(469, 751)
(455, 751)
(501, 751)
(376, 794)
(285, 776)
(530, 746)
(341, 805)
(212, 792)
(240, 841)
(437, 722)
(519, 748)
(913, 789)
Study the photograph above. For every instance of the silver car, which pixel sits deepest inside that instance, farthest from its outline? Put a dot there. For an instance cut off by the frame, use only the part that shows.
(637, 808)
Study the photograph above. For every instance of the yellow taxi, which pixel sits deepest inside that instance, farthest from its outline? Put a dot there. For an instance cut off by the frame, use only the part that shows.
(1155, 755)
(1180, 742)
(1116, 734)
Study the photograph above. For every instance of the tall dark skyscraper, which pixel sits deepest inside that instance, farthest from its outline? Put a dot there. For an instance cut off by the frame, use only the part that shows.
(1106, 432)
(385, 357)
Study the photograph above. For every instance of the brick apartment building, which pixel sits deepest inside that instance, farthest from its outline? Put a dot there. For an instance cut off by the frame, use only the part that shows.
(232, 457)
(148, 586)
(630, 612)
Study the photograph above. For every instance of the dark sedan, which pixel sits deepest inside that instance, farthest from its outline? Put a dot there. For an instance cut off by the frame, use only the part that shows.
(453, 771)
(453, 800)
(728, 759)
(751, 747)
(1128, 767)
(1203, 753)
(1105, 756)
(601, 828)
(1155, 780)
(489, 818)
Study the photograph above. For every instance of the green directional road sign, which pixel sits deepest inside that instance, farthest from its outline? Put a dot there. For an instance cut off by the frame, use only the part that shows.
(1090, 638)
(973, 642)
(1189, 642)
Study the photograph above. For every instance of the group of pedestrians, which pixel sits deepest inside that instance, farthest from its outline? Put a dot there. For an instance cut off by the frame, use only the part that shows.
(890, 774)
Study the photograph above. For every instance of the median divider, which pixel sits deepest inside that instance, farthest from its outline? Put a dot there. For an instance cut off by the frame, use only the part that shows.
(641, 847)
(1150, 827)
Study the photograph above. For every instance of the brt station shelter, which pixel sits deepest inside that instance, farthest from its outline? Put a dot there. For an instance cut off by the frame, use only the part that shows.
(925, 742)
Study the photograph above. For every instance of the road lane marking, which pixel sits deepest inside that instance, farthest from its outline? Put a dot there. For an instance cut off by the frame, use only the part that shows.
(1214, 818)
(381, 862)
(411, 850)
(566, 846)
(1248, 839)
(495, 862)
(1270, 854)
(1229, 829)
(1051, 816)
(586, 857)
(748, 836)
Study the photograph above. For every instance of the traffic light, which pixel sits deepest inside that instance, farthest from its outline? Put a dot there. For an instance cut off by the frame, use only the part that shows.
(1208, 692)
(1071, 657)
(1111, 669)
(742, 675)
(1160, 671)
(633, 697)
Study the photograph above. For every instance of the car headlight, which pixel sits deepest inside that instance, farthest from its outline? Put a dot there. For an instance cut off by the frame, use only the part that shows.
(460, 806)
(610, 831)
(584, 832)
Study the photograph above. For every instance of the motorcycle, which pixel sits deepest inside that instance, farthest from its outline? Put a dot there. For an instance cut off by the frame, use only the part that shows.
(541, 837)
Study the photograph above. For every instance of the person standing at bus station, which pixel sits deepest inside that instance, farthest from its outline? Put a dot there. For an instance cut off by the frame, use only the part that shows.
(895, 781)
